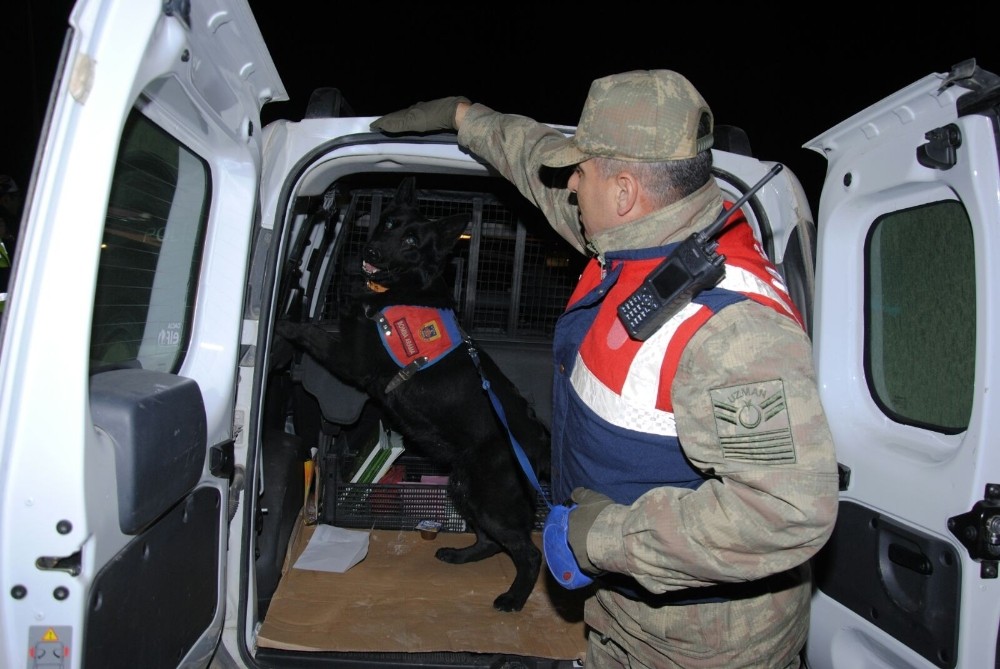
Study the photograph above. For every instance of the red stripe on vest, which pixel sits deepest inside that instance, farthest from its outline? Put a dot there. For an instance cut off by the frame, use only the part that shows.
(608, 333)
(743, 250)
(607, 349)
(672, 358)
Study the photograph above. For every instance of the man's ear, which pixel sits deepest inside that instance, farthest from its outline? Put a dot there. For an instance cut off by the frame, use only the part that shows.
(627, 194)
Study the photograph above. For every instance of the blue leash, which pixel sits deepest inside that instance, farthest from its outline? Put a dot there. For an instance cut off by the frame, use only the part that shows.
(522, 457)
(559, 556)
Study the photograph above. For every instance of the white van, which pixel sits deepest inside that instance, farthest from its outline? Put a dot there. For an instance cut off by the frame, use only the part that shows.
(155, 500)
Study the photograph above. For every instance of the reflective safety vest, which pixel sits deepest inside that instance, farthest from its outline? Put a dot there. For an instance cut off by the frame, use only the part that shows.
(613, 416)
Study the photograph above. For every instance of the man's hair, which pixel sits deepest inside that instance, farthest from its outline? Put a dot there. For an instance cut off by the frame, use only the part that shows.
(664, 179)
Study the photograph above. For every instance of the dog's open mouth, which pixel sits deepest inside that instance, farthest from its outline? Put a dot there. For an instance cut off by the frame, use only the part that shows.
(370, 270)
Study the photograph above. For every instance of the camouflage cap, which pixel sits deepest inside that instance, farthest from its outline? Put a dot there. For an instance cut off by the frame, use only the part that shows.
(644, 115)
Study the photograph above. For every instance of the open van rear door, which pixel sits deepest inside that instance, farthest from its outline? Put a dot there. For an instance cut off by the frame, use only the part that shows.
(121, 338)
(906, 335)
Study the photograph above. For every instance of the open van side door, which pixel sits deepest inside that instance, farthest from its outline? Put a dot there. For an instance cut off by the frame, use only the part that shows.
(121, 338)
(906, 343)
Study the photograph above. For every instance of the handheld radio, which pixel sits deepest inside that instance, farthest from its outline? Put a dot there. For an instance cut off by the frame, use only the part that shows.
(690, 269)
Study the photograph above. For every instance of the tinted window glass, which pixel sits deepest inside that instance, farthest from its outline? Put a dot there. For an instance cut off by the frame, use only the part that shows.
(921, 316)
(151, 251)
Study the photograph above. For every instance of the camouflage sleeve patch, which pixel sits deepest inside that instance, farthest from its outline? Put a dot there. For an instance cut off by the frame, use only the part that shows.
(752, 423)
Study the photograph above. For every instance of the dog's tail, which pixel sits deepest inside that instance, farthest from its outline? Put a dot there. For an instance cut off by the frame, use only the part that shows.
(542, 460)
(537, 444)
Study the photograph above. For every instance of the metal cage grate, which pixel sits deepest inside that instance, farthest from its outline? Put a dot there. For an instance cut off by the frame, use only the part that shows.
(511, 279)
(401, 505)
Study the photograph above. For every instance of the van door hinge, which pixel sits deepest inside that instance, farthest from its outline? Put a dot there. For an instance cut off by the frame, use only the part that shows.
(979, 531)
(222, 461)
(941, 150)
(179, 8)
(843, 477)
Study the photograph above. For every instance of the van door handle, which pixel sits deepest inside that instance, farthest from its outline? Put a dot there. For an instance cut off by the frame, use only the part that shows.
(910, 559)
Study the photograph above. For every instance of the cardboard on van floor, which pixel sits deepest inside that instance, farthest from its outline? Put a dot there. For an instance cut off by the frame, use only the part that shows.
(400, 598)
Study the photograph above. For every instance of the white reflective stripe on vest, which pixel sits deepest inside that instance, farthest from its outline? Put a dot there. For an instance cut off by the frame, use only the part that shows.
(617, 410)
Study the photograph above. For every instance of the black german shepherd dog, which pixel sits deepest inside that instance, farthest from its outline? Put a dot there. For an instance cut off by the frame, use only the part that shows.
(442, 409)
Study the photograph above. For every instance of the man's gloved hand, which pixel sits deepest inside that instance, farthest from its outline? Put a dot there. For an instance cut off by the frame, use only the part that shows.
(567, 525)
(559, 556)
(422, 117)
(589, 503)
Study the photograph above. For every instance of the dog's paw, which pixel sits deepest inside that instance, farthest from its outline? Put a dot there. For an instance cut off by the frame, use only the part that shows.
(287, 329)
(508, 603)
(450, 555)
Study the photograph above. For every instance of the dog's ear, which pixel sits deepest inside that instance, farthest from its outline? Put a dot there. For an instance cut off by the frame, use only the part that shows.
(406, 193)
(449, 229)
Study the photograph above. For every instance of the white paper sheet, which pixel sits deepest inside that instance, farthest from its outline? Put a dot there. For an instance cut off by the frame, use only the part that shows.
(333, 549)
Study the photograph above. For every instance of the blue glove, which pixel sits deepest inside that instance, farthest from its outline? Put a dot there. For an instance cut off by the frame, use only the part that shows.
(558, 554)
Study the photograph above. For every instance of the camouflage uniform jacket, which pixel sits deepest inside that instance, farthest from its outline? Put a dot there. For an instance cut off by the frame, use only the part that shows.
(720, 562)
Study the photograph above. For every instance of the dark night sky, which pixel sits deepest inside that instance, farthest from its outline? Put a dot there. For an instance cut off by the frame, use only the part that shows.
(781, 77)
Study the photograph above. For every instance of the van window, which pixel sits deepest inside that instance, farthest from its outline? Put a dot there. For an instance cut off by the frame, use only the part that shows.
(920, 316)
(150, 253)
